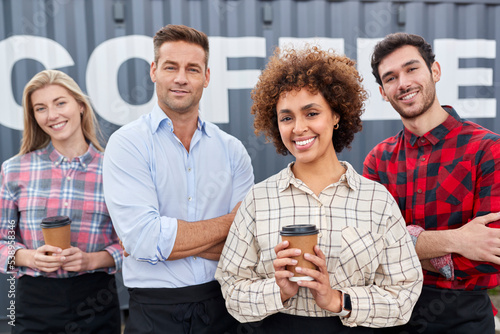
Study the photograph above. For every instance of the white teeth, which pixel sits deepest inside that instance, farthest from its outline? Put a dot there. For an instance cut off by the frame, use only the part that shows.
(409, 96)
(58, 126)
(304, 142)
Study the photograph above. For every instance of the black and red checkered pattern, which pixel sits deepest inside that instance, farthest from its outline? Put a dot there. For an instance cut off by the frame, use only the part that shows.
(441, 181)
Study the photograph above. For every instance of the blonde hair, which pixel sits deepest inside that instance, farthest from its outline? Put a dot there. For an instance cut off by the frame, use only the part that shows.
(34, 137)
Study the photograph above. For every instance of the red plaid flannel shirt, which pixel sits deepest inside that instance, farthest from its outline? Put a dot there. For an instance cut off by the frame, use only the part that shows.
(441, 181)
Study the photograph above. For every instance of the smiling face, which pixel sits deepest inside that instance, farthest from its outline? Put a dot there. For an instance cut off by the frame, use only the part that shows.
(180, 76)
(306, 122)
(58, 114)
(407, 83)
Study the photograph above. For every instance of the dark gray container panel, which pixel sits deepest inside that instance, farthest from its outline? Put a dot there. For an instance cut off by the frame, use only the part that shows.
(106, 46)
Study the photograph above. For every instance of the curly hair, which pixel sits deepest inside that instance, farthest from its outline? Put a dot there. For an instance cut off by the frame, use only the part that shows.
(333, 76)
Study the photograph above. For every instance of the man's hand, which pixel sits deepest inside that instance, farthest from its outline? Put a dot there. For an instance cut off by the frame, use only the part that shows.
(478, 242)
(196, 238)
(474, 240)
(426, 264)
(125, 254)
(230, 216)
(213, 253)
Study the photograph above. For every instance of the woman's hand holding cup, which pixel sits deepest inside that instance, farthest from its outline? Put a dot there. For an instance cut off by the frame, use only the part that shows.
(282, 276)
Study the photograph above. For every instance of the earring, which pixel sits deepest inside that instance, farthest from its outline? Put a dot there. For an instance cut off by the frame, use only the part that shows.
(336, 126)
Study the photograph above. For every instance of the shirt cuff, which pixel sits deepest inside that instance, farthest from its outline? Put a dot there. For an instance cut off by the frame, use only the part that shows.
(10, 267)
(444, 264)
(414, 231)
(116, 253)
(361, 304)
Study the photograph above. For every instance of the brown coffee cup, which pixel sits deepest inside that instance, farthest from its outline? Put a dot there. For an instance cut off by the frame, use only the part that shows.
(304, 237)
(57, 231)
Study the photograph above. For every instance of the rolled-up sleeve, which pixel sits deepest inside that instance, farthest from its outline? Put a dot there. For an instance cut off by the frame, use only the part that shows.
(10, 240)
(397, 283)
(249, 295)
(131, 197)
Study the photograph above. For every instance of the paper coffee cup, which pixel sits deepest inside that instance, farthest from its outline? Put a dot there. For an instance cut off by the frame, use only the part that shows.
(304, 237)
(57, 231)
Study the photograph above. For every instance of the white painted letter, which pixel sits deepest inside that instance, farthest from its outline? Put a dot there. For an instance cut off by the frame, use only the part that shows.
(214, 105)
(376, 107)
(448, 52)
(324, 43)
(102, 77)
(44, 50)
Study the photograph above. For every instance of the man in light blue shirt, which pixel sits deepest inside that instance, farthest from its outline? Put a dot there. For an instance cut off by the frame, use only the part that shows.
(172, 184)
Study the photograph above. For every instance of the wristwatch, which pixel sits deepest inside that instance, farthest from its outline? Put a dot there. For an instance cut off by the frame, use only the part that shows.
(346, 305)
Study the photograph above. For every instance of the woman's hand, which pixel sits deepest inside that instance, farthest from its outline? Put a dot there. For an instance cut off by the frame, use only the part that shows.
(38, 258)
(326, 297)
(288, 289)
(75, 259)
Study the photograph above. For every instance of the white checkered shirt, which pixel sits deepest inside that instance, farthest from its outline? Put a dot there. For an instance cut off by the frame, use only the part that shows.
(368, 250)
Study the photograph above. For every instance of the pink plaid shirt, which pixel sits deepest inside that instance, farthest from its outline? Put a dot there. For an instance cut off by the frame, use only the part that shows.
(44, 183)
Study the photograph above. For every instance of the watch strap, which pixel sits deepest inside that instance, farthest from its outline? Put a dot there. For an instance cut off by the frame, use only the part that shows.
(344, 311)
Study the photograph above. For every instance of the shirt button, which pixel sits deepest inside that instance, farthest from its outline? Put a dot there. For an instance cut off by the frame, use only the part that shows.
(68, 178)
(66, 203)
(194, 257)
(422, 140)
(190, 198)
(423, 159)
(419, 191)
(189, 169)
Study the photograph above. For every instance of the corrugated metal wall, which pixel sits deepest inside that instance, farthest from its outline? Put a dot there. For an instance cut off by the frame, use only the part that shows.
(105, 45)
(82, 28)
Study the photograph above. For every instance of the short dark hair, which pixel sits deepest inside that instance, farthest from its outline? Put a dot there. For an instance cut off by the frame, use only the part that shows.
(324, 72)
(393, 42)
(175, 33)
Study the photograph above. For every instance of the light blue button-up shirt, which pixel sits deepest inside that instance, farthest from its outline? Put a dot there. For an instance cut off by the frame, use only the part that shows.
(151, 180)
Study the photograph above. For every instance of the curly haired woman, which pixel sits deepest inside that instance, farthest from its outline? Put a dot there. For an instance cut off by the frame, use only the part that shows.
(309, 103)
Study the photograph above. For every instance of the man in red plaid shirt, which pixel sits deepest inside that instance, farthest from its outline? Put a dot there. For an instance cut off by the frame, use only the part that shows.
(444, 172)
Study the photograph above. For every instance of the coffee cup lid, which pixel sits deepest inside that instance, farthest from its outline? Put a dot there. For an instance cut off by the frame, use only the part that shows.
(300, 229)
(55, 221)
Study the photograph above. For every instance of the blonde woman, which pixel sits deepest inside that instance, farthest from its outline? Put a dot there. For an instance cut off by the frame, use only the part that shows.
(58, 172)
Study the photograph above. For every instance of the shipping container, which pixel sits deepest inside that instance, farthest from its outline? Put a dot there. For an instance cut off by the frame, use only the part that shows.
(106, 46)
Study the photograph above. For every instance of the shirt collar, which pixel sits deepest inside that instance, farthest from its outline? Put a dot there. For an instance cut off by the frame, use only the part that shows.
(349, 179)
(439, 132)
(159, 118)
(83, 160)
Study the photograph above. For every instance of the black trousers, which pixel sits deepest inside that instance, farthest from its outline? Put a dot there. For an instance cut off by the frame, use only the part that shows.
(83, 304)
(442, 311)
(198, 309)
(289, 324)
